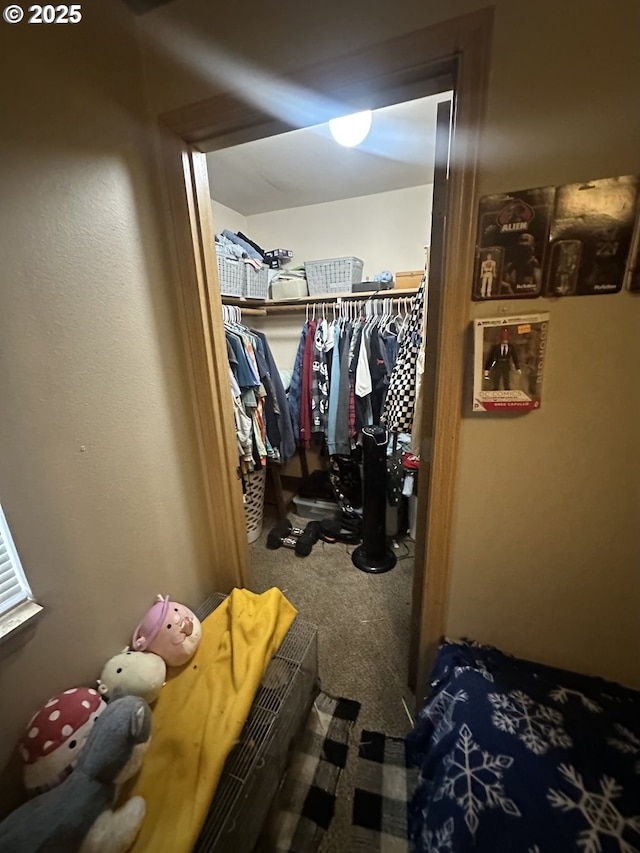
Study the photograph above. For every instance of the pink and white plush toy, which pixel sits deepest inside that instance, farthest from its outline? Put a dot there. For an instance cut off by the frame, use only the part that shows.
(54, 738)
(170, 630)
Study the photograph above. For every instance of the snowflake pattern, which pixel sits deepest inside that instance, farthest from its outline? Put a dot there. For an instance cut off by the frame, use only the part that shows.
(600, 813)
(537, 726)
(474, 780)
(440, 840)
(627, 742)
(440, 713)
(479, 666)
(562, 694)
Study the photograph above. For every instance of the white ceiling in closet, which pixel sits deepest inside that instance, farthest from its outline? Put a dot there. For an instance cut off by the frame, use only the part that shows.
(308, 167)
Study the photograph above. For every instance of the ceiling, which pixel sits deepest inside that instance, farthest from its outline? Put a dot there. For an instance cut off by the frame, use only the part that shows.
(306, 166)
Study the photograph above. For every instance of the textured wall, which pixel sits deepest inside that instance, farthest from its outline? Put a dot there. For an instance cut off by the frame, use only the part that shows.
(98, 469)
(388, 231)
(545, 557)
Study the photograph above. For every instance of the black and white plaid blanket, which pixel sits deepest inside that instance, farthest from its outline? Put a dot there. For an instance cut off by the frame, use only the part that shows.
(384, 784)
(305, 803)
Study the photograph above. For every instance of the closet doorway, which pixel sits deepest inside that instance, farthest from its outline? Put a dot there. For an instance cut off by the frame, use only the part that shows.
(304, 191)
(449, 56)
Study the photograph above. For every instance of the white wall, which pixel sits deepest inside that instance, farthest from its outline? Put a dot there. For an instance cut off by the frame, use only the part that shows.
(388, 231)
(227, 219)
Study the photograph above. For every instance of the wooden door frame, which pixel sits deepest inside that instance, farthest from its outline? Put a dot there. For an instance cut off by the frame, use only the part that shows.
(419, 63)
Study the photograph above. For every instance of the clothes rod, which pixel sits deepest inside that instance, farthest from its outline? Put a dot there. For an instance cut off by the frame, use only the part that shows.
(254, 312)
(300, 303)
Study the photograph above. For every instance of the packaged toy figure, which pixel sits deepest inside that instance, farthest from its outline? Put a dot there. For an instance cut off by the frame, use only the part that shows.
(509, 356)
(501, 359)
(591, 236)
(513, 234)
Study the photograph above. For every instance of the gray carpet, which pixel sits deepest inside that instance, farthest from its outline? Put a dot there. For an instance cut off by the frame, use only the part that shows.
(363, 639)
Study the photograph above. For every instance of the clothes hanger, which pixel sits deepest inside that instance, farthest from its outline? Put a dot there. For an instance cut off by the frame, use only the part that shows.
(399, 317)
(372, 319)
(387, 317)
(379, 310)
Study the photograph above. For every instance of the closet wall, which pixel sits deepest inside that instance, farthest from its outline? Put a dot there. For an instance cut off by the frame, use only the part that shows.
(388, 231)
(226, 217)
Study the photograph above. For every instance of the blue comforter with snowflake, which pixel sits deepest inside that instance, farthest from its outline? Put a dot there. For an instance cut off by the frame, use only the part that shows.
(516, 757)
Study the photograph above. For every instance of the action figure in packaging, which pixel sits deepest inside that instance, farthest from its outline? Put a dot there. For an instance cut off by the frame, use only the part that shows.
(509, 356)
(513, 233)
(591, 236)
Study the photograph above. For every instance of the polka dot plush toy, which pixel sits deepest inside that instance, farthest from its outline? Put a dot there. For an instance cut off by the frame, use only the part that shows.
(55, 736)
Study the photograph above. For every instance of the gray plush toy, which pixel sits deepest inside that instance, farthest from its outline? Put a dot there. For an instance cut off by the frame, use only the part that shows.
(77, 815)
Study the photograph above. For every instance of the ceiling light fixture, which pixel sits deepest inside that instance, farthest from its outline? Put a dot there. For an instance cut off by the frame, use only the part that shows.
(351, 130)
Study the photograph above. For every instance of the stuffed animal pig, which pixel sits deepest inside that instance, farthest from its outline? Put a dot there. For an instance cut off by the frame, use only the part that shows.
(170, 630)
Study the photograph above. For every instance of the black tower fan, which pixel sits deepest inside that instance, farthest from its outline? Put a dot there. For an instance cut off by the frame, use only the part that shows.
(373, 555)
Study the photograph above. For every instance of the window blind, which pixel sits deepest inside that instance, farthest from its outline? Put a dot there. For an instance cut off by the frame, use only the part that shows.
(13, 584)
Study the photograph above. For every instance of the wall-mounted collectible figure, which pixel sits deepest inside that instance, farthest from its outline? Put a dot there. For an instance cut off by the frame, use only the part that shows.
(490, 271)
(509, 357)
(565, 262)
(513, 231)
(502, 357)
(591, 237)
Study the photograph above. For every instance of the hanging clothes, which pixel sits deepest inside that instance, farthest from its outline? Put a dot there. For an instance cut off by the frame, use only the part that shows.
(343, 441)
(287, 442)
(261, 411)
(306, 395)
(341, 375)
(401, 395)
(295, 385)
(319, 382)
(334, 390)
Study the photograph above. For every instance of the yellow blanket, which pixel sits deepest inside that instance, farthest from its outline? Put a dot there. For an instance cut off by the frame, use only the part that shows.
(200, 713)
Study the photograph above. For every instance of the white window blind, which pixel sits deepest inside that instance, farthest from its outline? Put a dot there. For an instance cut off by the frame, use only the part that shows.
(14, 588)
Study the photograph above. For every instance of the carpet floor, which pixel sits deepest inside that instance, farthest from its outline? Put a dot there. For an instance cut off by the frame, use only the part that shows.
(363, 641)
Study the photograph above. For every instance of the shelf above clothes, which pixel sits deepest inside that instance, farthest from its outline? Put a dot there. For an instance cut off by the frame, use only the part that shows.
(301, 303)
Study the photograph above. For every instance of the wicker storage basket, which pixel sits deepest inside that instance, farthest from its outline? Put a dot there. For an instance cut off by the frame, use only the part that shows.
(257, 285)
(231, 273)
(333, 275)
(254, 503)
